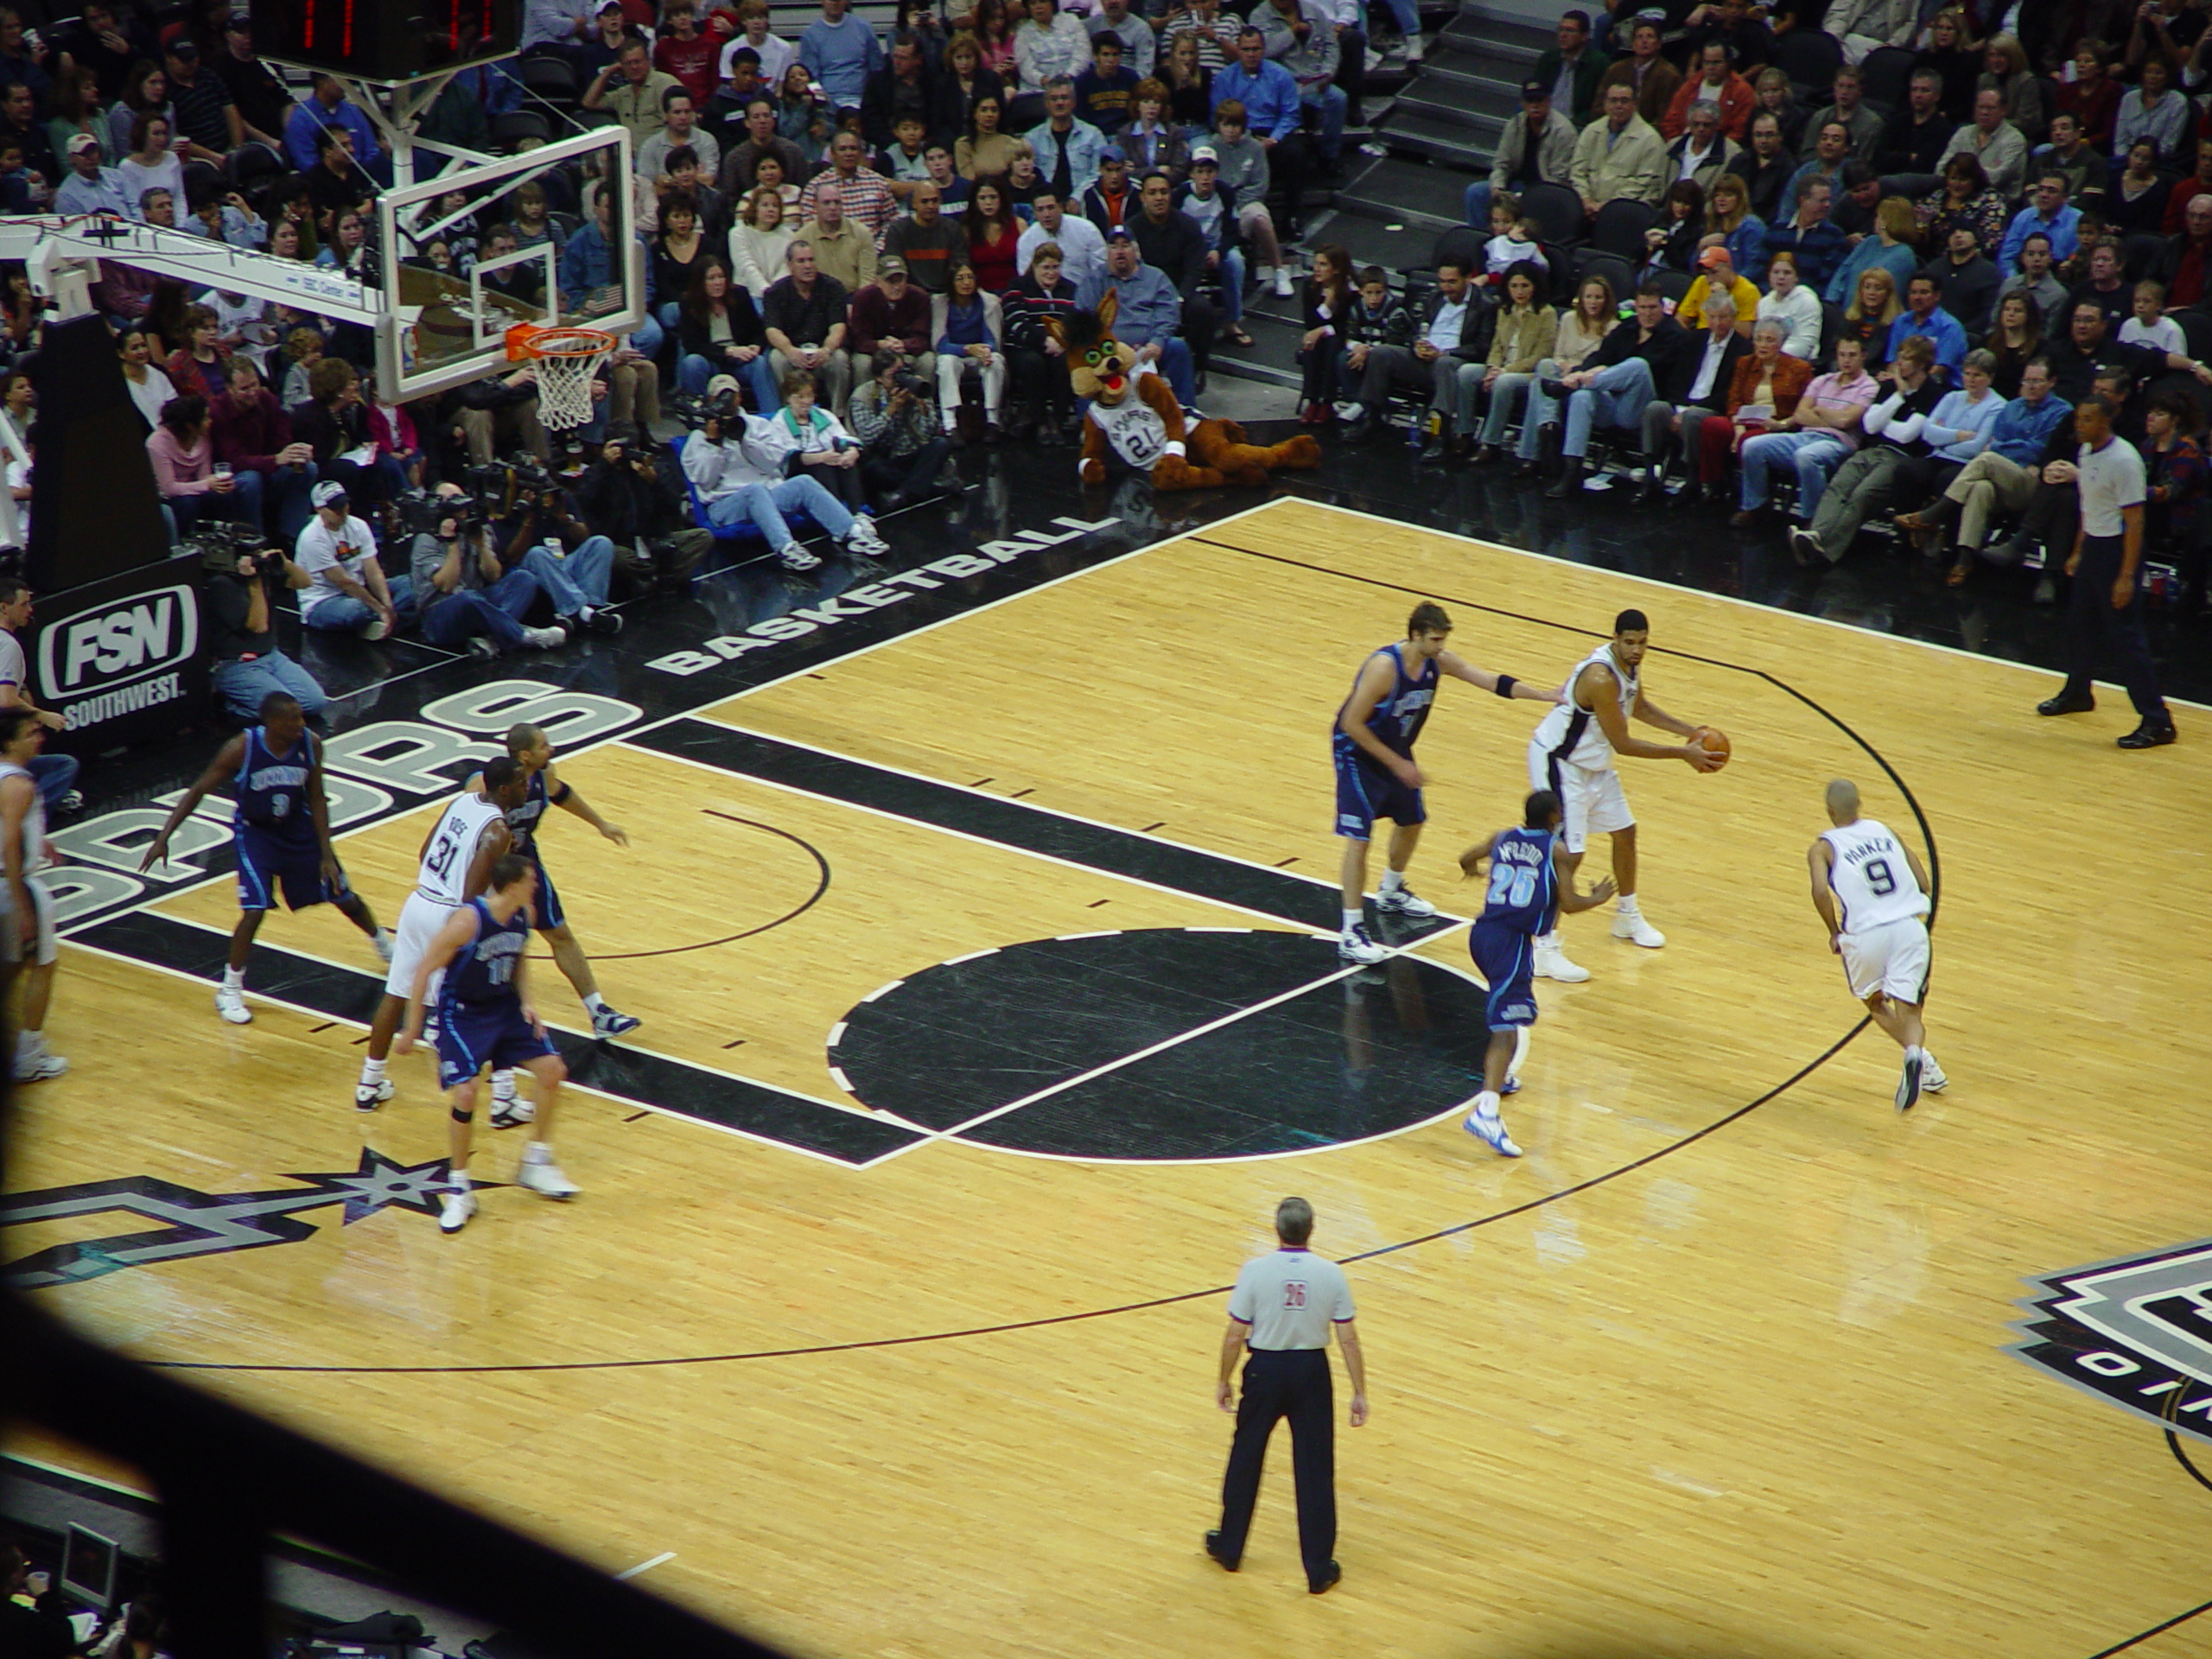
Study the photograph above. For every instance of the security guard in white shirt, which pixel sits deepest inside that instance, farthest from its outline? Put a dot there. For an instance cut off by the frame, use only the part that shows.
(1281, 1310)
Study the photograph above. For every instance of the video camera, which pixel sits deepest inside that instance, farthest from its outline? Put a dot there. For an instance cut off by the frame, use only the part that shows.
(696, 408)
(221, 544)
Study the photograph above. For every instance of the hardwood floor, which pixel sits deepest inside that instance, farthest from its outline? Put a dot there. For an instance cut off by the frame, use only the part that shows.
(1689, 1379)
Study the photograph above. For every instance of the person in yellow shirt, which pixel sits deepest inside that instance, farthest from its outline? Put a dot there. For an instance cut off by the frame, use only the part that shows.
(1716, 274)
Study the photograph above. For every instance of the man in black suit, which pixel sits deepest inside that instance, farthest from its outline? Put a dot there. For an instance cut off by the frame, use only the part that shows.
(1696, 386)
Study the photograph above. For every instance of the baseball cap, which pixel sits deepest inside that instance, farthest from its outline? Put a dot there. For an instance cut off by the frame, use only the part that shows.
(1205, 153)
(240, 19)
(890, 262)
(1712, 256)
(182, 49)
(1121, 233)
(81, 142)
(1534, 89)
(329, 493)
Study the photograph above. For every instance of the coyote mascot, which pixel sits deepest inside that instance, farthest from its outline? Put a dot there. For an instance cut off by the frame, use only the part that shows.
(1135, 425)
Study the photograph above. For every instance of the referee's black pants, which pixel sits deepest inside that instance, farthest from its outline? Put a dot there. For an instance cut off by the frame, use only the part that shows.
(1294, 1384)
(2091, 622)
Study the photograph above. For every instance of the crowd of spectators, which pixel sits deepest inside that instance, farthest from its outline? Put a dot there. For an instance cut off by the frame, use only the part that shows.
(853, 243)
(1901, 311)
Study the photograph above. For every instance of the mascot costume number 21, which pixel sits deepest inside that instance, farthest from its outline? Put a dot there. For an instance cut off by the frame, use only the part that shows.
(1135, 425)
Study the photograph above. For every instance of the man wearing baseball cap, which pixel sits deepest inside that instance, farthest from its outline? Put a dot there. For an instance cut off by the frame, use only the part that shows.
(263, 101)
(1716, 274)
(90, 188)
(348, 591)
(1148, 312)
(1536, 148)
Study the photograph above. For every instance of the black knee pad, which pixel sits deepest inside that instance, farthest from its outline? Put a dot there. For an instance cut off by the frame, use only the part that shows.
(460, 1116)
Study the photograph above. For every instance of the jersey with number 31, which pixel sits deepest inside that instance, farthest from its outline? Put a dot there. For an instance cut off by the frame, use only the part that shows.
(453, 848)
(1870, 876)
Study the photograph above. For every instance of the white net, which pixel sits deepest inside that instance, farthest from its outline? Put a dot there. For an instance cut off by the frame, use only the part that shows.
(566, 360)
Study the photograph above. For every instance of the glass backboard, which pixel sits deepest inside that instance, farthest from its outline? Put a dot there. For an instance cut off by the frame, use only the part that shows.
(445, 318)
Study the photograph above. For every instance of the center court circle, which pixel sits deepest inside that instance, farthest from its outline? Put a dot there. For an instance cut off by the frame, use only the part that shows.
(1166, 1044)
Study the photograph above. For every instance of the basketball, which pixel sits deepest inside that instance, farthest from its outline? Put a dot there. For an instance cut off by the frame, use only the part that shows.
(1714, 740)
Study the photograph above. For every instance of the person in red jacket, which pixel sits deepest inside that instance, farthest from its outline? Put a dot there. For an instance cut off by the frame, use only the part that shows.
(271, 474)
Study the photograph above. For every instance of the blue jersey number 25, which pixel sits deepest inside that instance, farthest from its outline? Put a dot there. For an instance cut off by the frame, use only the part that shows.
(1512, 886)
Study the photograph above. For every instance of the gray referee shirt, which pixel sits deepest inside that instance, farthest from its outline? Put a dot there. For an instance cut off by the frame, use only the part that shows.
(2111, 479)
(1290, 1298)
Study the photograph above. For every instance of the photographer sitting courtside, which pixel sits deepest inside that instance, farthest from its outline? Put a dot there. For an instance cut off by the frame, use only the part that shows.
(740, 479)
(241, 628)
(902, 446)
(571, 565)
(468, 595)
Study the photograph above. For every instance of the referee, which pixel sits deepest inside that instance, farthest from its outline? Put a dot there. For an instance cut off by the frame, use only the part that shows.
(1281, 1309)
(2107, 569)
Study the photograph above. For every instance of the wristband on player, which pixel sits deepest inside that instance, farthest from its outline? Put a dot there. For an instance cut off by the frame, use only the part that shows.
(1505, 684)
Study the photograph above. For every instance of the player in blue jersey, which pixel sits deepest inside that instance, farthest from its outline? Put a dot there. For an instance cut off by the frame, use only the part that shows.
(533, 751)
(1531, 883)
(282, 826)
(1373, 750)
(484, 1019)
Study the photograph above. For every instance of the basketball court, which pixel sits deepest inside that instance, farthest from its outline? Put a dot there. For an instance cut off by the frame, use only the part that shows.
(990, 1005)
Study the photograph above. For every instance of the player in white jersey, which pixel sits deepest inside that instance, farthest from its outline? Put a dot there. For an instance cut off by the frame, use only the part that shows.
(1572, 754)
(452, 868)
(1872, 894)
(28, 922)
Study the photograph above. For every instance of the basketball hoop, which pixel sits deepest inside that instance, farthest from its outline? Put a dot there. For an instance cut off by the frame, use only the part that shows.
(566, 358)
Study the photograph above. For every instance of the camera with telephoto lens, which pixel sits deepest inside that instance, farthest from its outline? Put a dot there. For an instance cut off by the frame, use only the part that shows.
(530, 475)
(907, 381)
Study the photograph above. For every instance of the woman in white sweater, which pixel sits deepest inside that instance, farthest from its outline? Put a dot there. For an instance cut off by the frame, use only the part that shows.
(757, 241)
(1793, 305)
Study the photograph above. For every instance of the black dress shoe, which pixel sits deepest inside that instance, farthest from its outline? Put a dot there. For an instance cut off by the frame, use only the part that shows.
(1213, 1549)
(1569, 482)
(2062, 705)
(1555, 389)
(1361, 429)
(1322, 1585)
(2151, 735)
(1529, 468)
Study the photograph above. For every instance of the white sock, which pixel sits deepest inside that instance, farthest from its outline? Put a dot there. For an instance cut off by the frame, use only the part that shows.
(1547, 941)
(1487, 1103)
(1914, 1053)
(372, 1072)
(593, 1003)
(1354, 919)
(234, 979)
(1627, 905)
(29, 1042)
(537, 1152)
(1393, 879)
(458, 1180)
(502, 1085)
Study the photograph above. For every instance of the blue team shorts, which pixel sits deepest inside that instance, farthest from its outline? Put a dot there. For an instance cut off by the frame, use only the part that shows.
(473, 1036)
(1364, 793)
(270, 864)
(1506, 958)
(547, 905)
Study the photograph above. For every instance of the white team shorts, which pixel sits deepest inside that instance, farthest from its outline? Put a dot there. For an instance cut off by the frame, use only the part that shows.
(1589, 801)
(46, 948)
(1892, 959)
(420, 918)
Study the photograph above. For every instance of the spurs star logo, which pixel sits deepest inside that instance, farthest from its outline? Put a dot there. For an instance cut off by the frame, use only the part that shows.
(186, 1223)
(2136, 1332)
